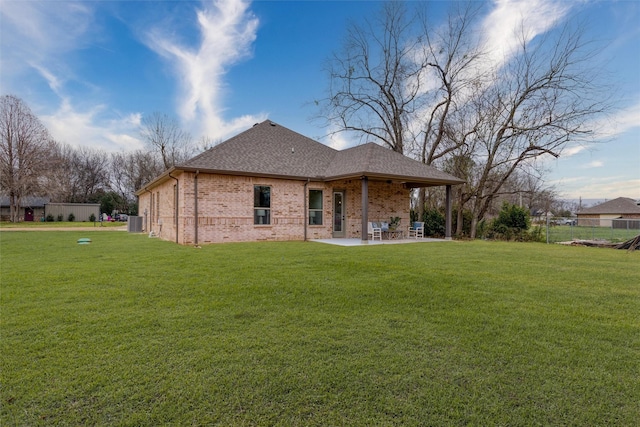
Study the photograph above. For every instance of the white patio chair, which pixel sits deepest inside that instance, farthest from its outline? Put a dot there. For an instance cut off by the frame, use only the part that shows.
(374, 231)
(416, 230)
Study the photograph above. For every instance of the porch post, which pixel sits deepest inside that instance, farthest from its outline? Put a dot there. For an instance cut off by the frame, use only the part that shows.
(365, 209)
(447, 221)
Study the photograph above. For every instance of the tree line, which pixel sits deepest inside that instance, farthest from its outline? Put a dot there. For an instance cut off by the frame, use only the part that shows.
(32, 163)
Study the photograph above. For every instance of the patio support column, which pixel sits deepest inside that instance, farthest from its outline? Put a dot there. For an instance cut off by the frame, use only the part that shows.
(365, 209)
(447, 221)
(195, 206)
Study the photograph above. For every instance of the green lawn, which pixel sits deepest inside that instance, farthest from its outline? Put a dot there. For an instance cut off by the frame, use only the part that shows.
(135, 331)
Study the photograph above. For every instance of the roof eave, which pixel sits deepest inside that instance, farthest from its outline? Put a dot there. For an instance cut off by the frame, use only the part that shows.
(408, 181)
(158, 180)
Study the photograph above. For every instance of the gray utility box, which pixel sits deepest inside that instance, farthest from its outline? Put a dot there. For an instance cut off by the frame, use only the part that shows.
(134, 224)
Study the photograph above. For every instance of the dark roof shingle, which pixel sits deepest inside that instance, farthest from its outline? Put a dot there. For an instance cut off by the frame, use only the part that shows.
(266, 149)
(621, 205)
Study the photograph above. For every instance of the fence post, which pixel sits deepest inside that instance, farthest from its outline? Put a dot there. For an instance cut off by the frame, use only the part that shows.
(547, 229)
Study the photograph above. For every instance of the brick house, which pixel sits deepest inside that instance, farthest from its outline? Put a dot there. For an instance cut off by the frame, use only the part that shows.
(605, 214)
(271, 183)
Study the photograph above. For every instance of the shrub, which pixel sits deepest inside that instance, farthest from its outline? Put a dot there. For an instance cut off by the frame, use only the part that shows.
(50, 218)
(433, 223)
(60, 218)
(92, 218)
(511, 224)
(71, 217)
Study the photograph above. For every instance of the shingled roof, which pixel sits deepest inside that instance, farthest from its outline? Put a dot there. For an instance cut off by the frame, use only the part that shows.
(621, 205)
(268, 149)
(374, 161)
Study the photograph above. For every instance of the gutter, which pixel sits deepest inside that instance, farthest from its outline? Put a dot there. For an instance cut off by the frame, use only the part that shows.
(176, 201)
(305, 214)
(150, 207)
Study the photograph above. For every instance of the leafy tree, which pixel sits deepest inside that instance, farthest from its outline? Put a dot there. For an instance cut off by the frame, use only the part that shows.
(512, 223)
(434, 223)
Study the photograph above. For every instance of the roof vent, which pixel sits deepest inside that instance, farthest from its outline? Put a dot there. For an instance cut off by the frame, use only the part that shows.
(272, 124)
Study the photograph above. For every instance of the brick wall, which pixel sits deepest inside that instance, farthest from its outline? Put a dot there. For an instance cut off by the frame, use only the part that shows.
(225, 208)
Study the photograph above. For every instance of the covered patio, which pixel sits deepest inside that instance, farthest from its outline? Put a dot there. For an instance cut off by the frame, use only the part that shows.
(373, 164)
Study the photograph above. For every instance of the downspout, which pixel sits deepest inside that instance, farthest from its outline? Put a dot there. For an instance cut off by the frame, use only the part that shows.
(176, 203)
(195, 205)
(365, 210)
(305, 214)
(150, 207)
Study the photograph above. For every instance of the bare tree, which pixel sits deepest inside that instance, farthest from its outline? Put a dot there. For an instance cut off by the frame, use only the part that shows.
(60, 176)
(24, 151)
(542, 99)
(427, 91)
(131, 171)
(76, 175)
(451, 54)
(164, 135)
(374, 82)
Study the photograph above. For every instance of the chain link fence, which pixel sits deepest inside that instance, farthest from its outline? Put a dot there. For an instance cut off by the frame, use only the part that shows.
(570, 229)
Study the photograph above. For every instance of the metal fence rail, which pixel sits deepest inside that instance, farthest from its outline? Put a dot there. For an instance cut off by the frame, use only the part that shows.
(613, 230)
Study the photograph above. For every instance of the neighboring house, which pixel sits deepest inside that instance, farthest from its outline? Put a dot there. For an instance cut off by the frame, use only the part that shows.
(604, 214)
(271, 183)
(31, 208)
(540, 215)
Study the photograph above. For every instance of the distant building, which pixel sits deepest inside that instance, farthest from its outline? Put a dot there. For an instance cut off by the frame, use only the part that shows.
(31, 208)
(605, 214)
(82, 212)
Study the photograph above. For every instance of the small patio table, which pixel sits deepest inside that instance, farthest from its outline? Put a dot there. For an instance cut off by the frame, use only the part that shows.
(393, 234)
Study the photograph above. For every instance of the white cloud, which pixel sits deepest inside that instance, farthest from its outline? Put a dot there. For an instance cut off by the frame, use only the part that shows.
(338, 141)
(228, 30)
(38, 33)
(593, 164)
(87, 128)
(621, 122)
(608, 187)
(573, 150)
(510, 19)
(42, 37)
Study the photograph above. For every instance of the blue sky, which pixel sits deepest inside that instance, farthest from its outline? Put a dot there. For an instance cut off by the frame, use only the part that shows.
(92, 69)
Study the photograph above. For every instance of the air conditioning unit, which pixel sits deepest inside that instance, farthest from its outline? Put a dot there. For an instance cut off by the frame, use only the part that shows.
(134, 224)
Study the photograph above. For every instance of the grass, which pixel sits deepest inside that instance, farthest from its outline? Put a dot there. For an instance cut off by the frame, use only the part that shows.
(136, 331)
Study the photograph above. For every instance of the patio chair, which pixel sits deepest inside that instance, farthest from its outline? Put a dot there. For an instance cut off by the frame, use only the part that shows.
(374, 231)
(416, 230)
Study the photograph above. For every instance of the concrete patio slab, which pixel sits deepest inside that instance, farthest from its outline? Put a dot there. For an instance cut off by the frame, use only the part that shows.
(359, 242)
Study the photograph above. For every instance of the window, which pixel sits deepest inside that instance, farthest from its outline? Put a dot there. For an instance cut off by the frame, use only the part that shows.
(315, 207)
(261, 204)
